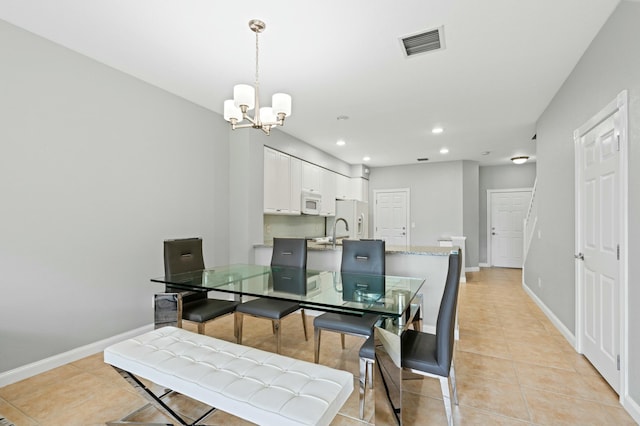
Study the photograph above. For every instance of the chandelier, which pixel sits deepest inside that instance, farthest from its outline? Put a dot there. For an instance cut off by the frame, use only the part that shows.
(246, 98)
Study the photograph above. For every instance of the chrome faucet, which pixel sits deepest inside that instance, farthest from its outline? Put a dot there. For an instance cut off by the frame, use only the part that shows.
(346, 225)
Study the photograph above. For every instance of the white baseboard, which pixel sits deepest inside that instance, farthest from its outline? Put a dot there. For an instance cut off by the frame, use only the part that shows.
(472, 269)
(30, 370)
(484, 265)
(571, 338)
(632, 408)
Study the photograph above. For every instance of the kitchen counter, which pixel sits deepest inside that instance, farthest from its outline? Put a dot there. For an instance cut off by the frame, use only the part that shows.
(419, 250)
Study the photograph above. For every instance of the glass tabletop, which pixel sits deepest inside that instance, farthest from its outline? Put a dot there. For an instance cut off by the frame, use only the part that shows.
(323, 290)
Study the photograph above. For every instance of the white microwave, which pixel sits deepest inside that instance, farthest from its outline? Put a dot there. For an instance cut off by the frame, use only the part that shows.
(310, 203)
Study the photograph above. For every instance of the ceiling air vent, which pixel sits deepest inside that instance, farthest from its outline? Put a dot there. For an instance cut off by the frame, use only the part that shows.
(425, 41)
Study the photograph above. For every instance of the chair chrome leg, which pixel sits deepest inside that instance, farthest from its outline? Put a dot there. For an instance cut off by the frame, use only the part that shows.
(316, 345)
(235, 326)
(364, 367)
(304, 324)
(452, 375)
(238, 324)
(276, 325)
(444, 385)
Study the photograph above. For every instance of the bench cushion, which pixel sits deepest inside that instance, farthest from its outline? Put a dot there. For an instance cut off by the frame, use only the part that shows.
(256, 385)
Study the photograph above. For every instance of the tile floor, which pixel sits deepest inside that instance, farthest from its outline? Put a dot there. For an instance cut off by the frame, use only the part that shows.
(513, 368)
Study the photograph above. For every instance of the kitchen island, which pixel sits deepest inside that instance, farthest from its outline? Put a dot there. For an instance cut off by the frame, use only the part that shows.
(429, 262)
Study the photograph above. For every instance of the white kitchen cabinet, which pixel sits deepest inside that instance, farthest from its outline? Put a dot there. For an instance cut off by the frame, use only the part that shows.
(280, 183)
(311, 177)
(360, 189)
(328, 192)
(296, 185)
(343, 187)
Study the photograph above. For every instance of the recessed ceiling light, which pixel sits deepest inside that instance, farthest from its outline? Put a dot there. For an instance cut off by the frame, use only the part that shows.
(444, 151)
(485, 153)
(340, 142)
(366, 158)
(437, 130)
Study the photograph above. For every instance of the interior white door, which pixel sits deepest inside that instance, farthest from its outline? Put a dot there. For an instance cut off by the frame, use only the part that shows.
(597, 236)
(391, 217)
(508, 210)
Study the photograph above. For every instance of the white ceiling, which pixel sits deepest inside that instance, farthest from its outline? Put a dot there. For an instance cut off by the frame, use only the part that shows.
(504, 60)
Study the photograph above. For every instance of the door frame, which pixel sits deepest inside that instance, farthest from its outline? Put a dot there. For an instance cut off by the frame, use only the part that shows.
(620, 103)
(490, 192)
(408, 218)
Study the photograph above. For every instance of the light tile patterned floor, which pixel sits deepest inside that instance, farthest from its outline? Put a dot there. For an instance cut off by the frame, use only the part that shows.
(513, 367)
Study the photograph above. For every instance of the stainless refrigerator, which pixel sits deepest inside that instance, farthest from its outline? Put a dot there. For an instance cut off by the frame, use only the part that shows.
(356, 213)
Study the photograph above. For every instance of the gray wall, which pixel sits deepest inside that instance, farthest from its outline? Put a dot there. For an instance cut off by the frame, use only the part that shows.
(609, 65)
(470, 220)
(436, 197)
(96, 170)
(500, 177)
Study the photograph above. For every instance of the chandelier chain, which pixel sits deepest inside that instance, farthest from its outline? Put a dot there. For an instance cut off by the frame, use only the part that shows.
(257, 52)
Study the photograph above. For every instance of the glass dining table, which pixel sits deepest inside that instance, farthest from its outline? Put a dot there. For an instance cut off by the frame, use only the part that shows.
(396, 299)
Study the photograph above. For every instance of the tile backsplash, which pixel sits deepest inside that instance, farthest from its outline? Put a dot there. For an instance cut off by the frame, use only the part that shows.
(292, 227)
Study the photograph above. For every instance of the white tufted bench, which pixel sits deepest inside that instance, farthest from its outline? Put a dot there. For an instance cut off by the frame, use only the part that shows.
(258, 386)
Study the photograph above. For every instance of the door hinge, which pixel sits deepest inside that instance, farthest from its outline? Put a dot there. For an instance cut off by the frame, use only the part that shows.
(618, 252)
(618, 363)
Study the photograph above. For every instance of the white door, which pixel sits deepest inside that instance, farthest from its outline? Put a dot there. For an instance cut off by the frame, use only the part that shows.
(506, 226)
(391, 216)
(598, 238)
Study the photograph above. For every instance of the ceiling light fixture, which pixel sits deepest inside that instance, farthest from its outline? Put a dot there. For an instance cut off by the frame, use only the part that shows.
(340, 142)
(366, 158)
(246, 98)
(444, 151)
(437, 130)
(520, 160)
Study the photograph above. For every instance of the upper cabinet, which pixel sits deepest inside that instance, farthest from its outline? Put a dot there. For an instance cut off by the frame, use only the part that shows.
(311, 177)
(328, 192)
(286, 177)
(296, 185)
(343, 187)
(281, 181)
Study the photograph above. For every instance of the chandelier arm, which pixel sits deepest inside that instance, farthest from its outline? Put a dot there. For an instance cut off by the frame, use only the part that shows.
(242, 126)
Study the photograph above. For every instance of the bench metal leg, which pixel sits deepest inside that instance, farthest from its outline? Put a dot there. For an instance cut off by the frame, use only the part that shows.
(155, 401)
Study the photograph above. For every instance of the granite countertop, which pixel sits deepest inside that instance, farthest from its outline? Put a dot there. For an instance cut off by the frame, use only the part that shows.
(419, 250)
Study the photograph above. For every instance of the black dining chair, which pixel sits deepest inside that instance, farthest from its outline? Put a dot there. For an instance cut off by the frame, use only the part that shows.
(358, 257)
(185, 255)
(431, 355)
(288, 253)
